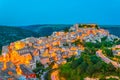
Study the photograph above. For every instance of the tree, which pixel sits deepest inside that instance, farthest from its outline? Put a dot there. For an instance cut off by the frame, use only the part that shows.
(66, 30)
(98, 66)
(94, 59)
(70, 59)
(87, 26)
(65, 70)
(38, 64)
(108, 52)
(118, 71)
(104, 38)
(39, 67)
(110, 67)
(83, 67)
(86, 59)
(88, 44)
(104, 67)
(90, 70)
(96, 26)
(76, 63)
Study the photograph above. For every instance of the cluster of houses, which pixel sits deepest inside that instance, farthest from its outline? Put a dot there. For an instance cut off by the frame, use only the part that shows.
(55, 48)
(116, 50)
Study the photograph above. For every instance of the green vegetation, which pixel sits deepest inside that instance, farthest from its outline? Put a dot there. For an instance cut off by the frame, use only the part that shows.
(108, 52)
(91, 48)
(47, 36)
(104, 38)
(65, 44)
(118, 58)
(88, 26)
(48, 75)
(66, 29)
(117, 41)
(87, 66)
(70, 59)
(39, 69)
(11, 34)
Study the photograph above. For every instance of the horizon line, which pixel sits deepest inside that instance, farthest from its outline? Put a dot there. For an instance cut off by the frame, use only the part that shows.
(58, 24)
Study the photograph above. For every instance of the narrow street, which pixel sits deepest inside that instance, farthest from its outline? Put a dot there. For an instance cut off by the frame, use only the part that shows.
(55, 75)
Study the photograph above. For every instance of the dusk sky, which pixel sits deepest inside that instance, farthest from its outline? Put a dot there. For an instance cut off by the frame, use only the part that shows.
(29, 12)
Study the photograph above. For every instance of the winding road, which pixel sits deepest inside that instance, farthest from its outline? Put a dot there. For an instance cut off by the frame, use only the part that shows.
(106, 59)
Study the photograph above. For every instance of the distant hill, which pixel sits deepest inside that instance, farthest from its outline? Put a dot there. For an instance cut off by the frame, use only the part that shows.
(45, 30)
(113, 29)
(11, 34)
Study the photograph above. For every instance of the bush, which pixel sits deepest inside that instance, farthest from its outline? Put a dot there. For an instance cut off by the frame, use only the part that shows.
(108, 52)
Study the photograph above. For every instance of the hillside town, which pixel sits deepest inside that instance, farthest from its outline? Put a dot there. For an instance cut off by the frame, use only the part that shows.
(19, 58)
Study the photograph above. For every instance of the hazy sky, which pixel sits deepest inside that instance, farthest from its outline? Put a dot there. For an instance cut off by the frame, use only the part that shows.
(27, 12)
